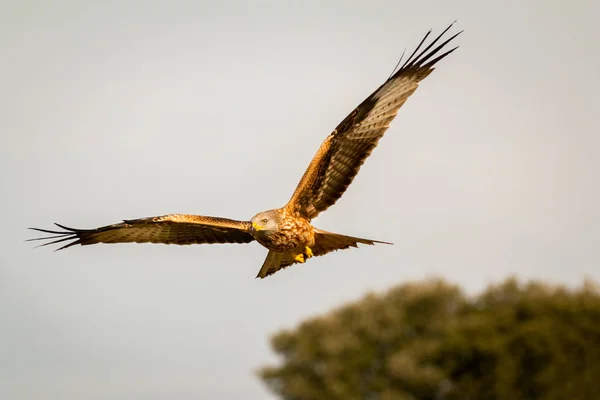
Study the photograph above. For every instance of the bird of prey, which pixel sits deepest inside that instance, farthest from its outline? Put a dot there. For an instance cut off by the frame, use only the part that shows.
(287, 231)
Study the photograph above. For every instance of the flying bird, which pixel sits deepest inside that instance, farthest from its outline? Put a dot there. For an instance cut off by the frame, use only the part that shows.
(287, 232)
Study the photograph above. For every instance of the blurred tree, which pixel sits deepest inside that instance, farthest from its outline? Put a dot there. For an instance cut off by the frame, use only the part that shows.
(429, 341)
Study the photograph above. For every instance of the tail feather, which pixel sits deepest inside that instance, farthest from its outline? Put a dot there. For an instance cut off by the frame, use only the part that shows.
(328, 241)
(325, 242)
(271, 265)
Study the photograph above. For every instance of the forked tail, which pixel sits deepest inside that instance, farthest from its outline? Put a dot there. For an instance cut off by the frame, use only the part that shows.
(325, 242)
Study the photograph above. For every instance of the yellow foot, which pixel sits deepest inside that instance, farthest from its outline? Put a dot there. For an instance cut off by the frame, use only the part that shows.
(299, 258)
(308, 252)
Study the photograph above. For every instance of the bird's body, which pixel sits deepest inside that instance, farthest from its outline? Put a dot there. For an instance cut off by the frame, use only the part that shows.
(293, 233)
(287, 232)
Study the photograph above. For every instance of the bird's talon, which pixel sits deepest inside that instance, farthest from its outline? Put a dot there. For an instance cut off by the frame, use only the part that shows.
(299, 258)
(308, 252)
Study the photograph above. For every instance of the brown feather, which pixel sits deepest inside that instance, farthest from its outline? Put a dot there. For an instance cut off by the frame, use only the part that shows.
(271, 265)
(325, 242)
(180, 229)
(341, 155)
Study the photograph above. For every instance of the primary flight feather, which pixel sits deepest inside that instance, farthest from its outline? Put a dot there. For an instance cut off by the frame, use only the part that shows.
(287, 232)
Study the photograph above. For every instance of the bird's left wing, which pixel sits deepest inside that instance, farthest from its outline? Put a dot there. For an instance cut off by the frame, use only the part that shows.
(168, 229)
(344, 151)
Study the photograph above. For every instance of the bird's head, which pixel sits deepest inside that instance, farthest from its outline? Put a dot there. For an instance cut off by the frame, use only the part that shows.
(265, 222)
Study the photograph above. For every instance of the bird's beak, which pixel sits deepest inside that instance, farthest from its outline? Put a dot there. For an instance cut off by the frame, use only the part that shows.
(256, 227)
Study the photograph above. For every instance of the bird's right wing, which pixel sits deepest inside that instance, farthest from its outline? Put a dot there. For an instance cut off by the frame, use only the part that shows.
(168, 229)
(343, 152)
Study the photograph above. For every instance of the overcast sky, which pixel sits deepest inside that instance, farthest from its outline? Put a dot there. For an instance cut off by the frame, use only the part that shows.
(131, 109)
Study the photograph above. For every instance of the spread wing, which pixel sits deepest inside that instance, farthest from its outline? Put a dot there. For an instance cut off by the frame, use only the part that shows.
(168, 229)
(344, 151)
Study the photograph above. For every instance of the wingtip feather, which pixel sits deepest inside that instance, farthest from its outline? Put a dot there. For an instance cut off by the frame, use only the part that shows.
(421, 59)
(66, 228)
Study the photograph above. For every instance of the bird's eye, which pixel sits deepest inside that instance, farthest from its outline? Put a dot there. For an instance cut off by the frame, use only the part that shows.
(263, 221)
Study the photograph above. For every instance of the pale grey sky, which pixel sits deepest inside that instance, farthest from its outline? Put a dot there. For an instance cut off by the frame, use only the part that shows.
(123, 109)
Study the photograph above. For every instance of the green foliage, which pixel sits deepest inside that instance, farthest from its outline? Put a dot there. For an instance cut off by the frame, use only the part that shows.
(428, 341)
